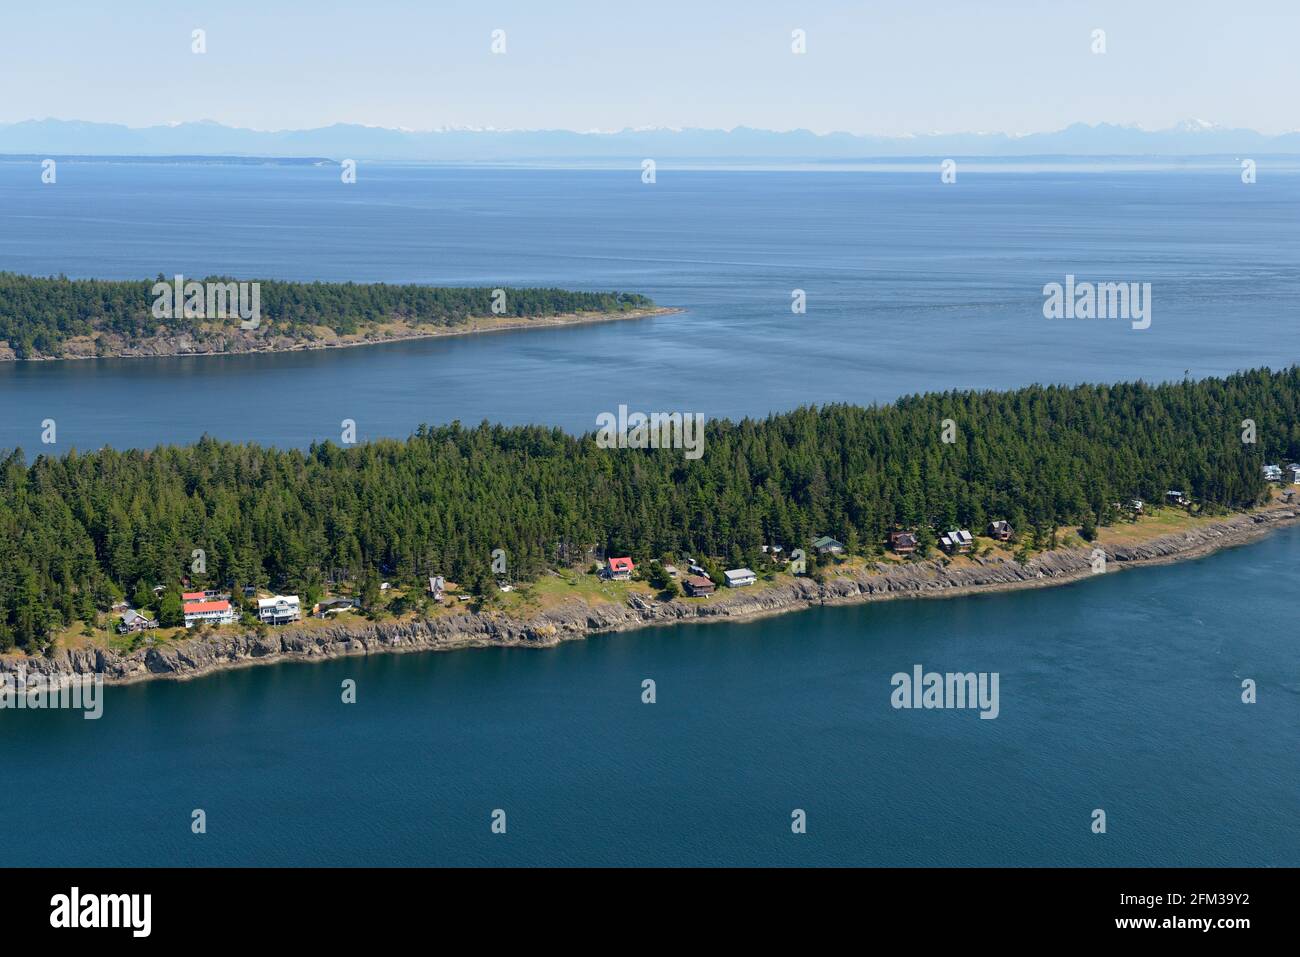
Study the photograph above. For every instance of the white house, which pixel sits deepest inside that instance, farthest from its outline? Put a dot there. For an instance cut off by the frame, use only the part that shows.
(1272, 473)
(1293, 473)
(211, 612)
(958, 540)
(739, 577)
(278, 609)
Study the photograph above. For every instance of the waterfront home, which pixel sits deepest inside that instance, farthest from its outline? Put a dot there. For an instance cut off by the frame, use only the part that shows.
(332, 606)
(1175, 497)
(698, 570)
(210, 595)
(620, 569)
(739, 577)
(209, 612)
(1135, 506)
(132, 620)
(1272, 473)
(1293, 473)
(697, 586)
(278, 609)
(671, 571)
(775, 554)
(193, 596)
(903, 543)
(957, 542)
(828, 546)
(437, 585)
(1000, 530)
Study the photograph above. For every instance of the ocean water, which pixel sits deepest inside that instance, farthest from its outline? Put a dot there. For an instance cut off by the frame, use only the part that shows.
(1122, 692)
(912, 285)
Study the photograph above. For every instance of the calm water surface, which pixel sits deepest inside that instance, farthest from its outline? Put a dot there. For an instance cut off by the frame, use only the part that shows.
(912, 285)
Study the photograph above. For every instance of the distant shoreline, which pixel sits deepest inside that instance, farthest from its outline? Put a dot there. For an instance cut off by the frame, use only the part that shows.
(157, 349)
(223, 651)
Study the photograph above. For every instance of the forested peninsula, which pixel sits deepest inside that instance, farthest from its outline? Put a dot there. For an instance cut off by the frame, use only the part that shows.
(81, 531)
(61, 318)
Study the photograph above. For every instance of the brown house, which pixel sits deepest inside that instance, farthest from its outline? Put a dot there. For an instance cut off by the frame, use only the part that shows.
(1000, 530)
(903, 543)
(697, 586)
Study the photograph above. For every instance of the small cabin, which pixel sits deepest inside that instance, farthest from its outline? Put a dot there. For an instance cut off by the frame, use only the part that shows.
(902, 543)
(697, 586)
(828, 546)
(133, 621)
(1000, 531)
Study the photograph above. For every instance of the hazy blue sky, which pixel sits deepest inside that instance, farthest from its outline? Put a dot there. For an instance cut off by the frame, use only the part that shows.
(872, 66)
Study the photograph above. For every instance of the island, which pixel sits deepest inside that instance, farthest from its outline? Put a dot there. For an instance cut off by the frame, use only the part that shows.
(177, 561)
(61, 318)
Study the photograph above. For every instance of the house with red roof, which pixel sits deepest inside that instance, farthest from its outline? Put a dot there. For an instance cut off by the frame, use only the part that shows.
(211, 612)
(620, 569)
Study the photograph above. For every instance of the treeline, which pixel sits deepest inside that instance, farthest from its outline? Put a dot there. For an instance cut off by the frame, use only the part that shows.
(78, 530)
(37, 315)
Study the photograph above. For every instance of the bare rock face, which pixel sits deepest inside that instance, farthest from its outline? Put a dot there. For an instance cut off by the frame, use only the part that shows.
(230, 648)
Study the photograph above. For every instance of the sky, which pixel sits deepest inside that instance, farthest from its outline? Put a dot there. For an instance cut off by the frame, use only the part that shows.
(888, 67)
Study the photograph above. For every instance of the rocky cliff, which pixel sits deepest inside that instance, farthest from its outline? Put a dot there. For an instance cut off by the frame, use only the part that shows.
(230, 648)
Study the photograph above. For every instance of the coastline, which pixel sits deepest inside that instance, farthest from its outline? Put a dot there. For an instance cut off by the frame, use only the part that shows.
(197, 657)
(164, 348)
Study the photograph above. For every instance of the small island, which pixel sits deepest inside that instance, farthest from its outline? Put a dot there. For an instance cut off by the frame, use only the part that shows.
(61, 318)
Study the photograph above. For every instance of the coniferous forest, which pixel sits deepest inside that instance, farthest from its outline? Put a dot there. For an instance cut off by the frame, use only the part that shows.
(78, 530)
(37, 315)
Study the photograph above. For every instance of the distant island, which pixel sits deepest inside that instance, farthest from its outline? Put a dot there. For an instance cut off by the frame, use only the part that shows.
(459, 536)
(61, 318)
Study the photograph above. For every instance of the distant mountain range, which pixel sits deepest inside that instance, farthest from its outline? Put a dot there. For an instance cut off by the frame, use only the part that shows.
(349, 141)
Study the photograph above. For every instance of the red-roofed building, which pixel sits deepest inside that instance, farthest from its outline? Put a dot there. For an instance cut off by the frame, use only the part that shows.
(193, 596)
(620, 569)
(212, 612)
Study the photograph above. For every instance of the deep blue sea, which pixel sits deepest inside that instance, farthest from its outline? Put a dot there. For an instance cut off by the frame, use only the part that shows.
(912, 285)
(1121, 693)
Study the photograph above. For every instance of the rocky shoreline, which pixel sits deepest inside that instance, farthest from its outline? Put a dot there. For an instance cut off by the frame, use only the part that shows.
(930, 579)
